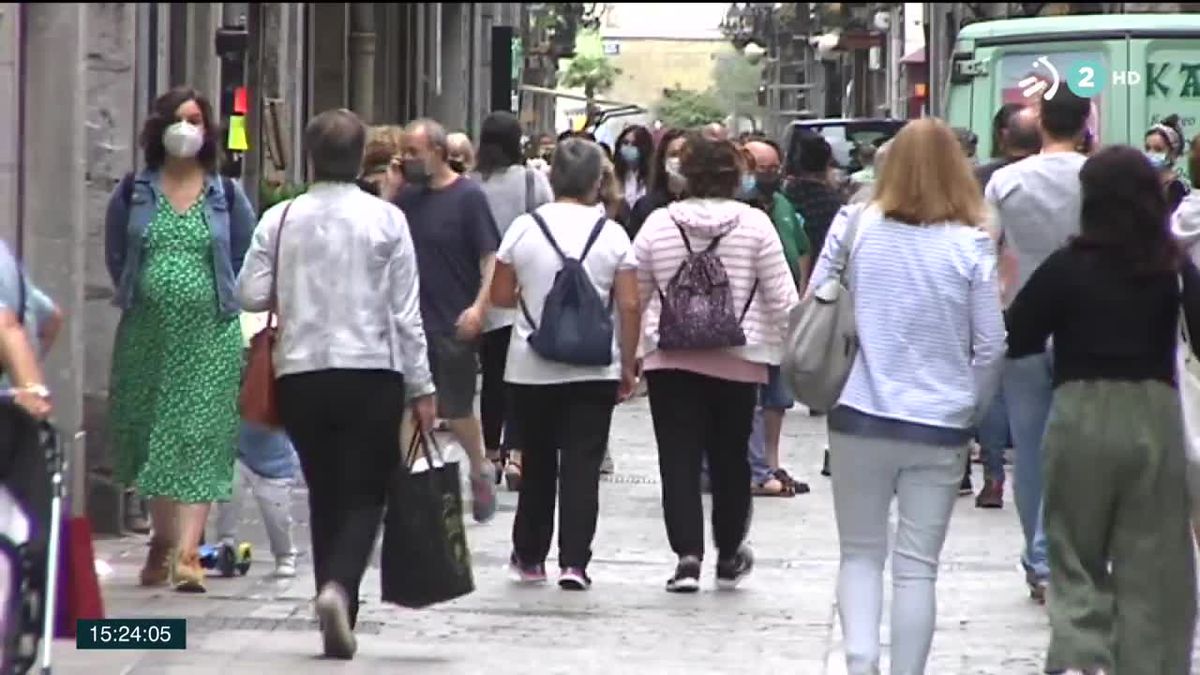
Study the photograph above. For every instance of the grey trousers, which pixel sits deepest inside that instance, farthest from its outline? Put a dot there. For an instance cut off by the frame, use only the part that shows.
(868, 473)
(274, 497)
(1122, 572)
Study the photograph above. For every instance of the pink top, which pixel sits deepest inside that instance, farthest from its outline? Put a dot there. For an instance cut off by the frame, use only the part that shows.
(751, 251)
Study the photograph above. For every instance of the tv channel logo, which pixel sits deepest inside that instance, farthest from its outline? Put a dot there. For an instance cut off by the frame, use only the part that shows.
(1085, 78)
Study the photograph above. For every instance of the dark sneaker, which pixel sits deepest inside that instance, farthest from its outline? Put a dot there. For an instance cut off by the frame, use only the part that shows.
(1037, 587)
(521, 573)
(483, 493)
(607, 468)
(731, 572)
(687, 576)
(574, 579)
(965, 489)
(991, 496)
(333, 614)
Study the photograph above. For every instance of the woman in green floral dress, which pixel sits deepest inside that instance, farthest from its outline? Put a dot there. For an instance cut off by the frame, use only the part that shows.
(175, 237)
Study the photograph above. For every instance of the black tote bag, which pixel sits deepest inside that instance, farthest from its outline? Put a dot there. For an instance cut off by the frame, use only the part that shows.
(425, 558)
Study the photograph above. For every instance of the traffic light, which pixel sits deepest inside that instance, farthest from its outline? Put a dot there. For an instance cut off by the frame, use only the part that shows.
(231, 44)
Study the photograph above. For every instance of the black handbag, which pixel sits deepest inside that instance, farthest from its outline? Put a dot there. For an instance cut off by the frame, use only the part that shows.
(425, 558)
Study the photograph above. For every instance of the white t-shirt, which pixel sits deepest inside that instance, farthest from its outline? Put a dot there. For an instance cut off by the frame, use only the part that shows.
(535, 263)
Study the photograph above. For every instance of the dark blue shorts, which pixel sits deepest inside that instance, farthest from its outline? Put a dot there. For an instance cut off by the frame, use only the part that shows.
(776, 394)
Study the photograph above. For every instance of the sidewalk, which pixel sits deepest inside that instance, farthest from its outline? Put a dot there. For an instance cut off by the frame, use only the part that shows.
(783, 619)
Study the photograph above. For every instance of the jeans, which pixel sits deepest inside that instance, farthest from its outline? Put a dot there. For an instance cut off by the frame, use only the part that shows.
(760, 470)
(1028, 390)
(568, 426)
(697, 415)
(924, 479)
(345, 425)
(993, 438)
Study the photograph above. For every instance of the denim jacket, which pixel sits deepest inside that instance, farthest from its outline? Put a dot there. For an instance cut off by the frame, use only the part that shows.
(126, 225)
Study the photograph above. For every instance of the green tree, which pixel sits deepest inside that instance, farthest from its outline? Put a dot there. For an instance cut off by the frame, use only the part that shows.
(735, 85)
(594, 75)
(684, 108)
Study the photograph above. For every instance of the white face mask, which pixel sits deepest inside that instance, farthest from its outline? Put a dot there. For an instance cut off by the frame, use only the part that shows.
(183, 140)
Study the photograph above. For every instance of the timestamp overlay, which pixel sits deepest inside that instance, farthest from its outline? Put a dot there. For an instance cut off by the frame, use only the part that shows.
(140, 634)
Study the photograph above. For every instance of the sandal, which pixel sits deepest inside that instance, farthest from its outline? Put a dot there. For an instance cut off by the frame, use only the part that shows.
(512, 473)
(796, 487)
(771, 487)
(496, 457)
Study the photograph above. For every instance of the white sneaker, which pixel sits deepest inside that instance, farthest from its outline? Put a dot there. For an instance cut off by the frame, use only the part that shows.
(333, 614)
(285, 566)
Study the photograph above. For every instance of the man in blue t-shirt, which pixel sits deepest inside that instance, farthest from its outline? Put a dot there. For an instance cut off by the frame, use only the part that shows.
(456, 238)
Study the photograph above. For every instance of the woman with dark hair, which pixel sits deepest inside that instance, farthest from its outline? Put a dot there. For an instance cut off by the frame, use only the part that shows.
(1121, 558)
(1164, 146)
(176, 234)
(703, 379)
(512, 190)
(635, 148)
(666, 182)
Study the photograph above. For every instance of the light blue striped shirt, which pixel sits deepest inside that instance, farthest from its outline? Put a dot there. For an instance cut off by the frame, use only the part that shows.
(927, 304)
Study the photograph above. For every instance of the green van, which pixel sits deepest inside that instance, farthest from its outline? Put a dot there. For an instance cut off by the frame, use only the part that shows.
(1152, 63)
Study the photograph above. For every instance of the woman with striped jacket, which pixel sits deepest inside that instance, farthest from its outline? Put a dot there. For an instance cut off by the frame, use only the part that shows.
(931, 344)
(702, 400)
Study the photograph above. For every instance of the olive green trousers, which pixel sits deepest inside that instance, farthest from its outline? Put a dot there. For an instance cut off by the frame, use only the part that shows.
(1122, 572)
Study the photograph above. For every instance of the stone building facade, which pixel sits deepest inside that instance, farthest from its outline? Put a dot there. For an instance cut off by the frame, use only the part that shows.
(90, 71)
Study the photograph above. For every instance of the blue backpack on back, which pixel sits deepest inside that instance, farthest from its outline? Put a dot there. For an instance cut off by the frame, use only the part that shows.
(577, 325)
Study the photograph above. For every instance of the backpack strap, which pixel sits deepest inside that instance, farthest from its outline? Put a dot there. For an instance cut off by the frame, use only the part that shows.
(746, 308)
(126, 188)
(686, 242)
(541, 223)
(528, 190)
(596, 230)
(230, 191)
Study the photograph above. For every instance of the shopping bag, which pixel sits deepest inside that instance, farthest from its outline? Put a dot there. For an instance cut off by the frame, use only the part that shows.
(425, 559)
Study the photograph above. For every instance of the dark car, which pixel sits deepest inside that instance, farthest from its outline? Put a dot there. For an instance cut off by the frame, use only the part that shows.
(844, 136)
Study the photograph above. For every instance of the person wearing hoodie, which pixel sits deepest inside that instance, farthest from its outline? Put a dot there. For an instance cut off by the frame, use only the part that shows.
(707, 349)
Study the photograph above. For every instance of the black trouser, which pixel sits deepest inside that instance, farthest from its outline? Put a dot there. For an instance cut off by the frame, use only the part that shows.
(495, 401)
(26, 473)
(566, 433)
(345, 425)
(696, 414)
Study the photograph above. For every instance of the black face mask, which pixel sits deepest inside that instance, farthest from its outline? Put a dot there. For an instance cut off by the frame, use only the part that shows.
(457, 165)
(367, 186)
(768, 182)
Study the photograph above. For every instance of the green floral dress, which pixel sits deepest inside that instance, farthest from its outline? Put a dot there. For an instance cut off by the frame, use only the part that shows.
(176, 369)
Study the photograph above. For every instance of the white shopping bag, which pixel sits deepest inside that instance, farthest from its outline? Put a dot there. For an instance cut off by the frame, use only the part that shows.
(1189, 396)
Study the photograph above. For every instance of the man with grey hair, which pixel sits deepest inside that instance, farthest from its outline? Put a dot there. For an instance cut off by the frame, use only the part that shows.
(456, 239)
(351, 353)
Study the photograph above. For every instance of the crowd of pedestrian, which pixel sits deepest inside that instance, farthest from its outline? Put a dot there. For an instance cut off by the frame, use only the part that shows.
(1034, 302)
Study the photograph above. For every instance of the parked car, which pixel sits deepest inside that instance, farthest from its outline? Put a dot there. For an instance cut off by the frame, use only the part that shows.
(844, 136)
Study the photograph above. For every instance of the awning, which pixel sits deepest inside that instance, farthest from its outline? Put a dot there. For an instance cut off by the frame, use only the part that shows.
(914, 57)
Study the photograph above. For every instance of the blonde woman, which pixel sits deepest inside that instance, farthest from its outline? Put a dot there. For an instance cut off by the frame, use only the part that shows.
(381, 175)
(929, 363)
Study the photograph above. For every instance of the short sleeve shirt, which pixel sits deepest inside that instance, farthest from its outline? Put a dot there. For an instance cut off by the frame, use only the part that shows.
(452, 230)
(535, 263)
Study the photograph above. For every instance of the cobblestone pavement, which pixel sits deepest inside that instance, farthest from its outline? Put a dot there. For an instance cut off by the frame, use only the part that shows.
(783, 619)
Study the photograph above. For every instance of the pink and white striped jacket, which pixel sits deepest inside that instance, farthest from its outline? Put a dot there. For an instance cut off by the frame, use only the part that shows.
(750, 250)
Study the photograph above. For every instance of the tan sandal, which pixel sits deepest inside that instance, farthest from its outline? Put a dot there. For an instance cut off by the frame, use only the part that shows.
(157, 570)
(512, 473)
(189, 575)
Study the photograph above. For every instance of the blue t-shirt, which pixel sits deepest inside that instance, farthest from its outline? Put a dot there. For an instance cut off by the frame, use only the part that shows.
(38, 306)
(452, 229)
